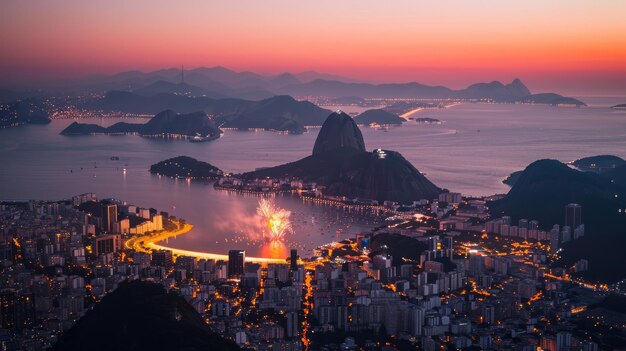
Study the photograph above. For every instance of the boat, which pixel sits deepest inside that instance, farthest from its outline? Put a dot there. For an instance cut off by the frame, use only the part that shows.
(115, 158)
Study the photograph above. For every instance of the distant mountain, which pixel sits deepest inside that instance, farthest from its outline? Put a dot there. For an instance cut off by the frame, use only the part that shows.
(599, 164)
(135, 103)
(348, 100)
(620, 106)
(338, 131)
(282, 113)
(551, 99)
(186, 167)
(515, 91)
(333, 88)
(277, 113)
(142, 316)
(308, 76)
(30, 111)
(340, 163)
(166, 122)
(496, 91)
(162, 86)
(219, 82)
(9, 96)
(378, 116)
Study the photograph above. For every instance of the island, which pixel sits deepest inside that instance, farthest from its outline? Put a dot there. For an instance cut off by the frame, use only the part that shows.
(186, 167)
(426, 120)
(165, 124)
(378, 116)
(619, 107)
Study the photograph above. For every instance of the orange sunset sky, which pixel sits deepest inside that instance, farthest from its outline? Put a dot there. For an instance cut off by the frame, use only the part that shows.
(574, 47)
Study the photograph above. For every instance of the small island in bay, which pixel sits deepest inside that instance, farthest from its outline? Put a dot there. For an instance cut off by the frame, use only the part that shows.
(426, 120)
(186, 167)
(378, 116)
(619, 107)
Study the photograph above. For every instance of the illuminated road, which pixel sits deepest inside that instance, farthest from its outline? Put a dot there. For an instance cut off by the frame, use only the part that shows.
(146, 243)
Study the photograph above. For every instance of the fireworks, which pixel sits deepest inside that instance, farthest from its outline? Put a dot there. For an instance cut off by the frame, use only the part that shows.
(274, 219)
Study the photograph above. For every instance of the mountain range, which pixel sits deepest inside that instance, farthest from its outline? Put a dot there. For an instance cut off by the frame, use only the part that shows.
(163, 123)
(220, 82)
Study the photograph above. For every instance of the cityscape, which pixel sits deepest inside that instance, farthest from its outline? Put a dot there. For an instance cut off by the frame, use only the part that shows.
(313, 176)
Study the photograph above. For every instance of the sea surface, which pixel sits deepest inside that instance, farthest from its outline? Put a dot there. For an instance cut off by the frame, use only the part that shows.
(471, 151)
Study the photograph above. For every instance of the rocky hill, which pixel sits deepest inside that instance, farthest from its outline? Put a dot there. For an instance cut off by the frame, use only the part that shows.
(339, 131)
(340, 163)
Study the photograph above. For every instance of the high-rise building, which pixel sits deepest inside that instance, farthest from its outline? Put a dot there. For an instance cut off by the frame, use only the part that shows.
(236, 259)
(107, 243)
(293, 259)
(292, 324)
(16, 311)
(162, 258)
(109, 217)
(573, 215)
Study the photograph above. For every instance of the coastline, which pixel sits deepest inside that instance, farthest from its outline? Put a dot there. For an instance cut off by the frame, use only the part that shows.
(145, 243)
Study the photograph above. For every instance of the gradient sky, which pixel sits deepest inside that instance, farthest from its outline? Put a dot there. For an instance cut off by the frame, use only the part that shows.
(576, 47)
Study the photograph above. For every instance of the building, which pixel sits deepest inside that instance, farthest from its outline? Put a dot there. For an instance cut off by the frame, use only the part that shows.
(162, 258)
(573, 215)
(16, 311)
(105, 244)
(293, 260)
(236, 264)
(109, 217)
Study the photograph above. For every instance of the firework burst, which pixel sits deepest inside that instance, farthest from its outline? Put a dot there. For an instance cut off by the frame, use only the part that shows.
(275, 220)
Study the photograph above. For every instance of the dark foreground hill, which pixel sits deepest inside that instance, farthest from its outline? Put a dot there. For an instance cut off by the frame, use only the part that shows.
(599, 164)
(543, 190)
(142, 316)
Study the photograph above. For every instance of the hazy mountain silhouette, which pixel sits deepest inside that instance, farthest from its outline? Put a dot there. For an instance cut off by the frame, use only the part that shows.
(166, 122)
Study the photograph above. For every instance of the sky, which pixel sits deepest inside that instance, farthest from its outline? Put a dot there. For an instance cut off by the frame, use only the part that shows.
(576, 47)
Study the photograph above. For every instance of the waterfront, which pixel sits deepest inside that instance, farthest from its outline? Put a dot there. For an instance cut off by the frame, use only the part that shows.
(471, 152)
